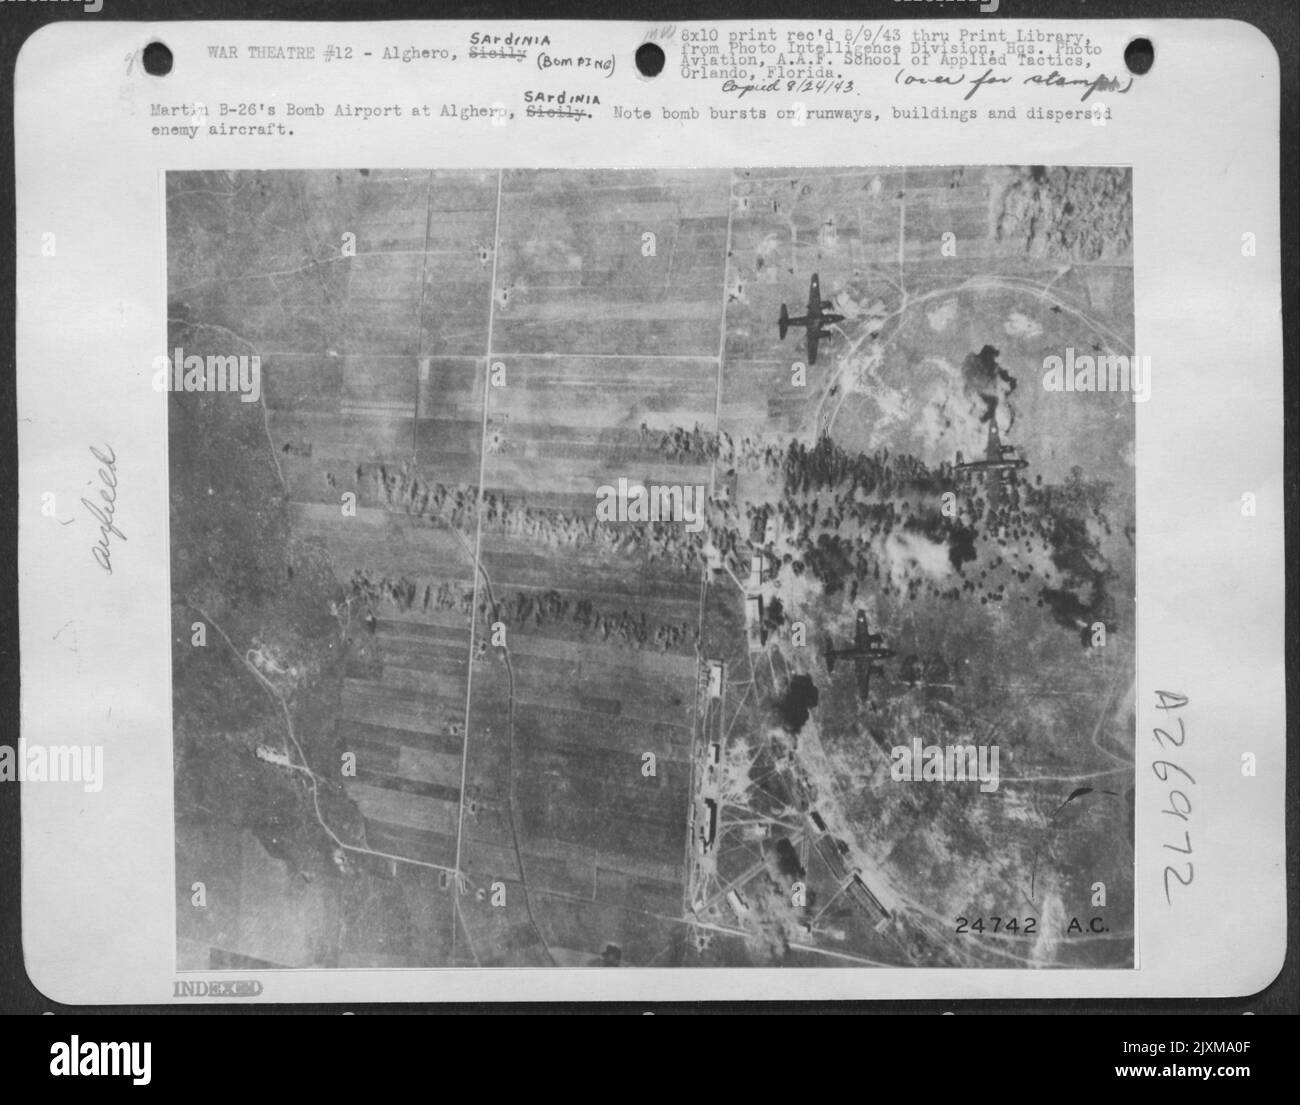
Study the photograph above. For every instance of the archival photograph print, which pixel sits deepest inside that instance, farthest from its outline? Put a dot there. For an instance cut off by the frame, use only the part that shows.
(653, 568)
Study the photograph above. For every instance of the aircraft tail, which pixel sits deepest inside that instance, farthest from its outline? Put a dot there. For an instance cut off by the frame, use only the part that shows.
(783, 323)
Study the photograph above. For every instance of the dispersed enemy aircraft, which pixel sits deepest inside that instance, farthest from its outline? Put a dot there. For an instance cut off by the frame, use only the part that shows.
(816, 317)
(866, 649)
(998, 458)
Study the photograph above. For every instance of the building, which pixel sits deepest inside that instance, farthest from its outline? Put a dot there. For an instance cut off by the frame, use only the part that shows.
(708, 826)
(754, 621)
(737, 903)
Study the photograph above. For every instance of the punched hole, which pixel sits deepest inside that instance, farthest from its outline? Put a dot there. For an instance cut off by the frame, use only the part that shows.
(649, 59)
(1139, 56)
(157, 59)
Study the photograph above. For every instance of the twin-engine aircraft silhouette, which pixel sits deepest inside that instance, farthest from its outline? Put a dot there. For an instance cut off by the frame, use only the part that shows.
(813, 321)
(866, 649)
(999, 458)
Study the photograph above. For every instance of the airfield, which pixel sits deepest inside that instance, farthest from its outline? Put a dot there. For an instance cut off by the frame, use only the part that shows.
(505, 720)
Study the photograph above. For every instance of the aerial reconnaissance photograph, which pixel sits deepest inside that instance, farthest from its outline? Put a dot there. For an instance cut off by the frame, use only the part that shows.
(653, 568)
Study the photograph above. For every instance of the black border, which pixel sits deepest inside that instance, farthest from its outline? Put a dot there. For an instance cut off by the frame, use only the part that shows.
(1279, 20)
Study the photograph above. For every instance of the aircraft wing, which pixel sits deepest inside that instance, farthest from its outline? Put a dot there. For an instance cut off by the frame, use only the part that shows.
(814, 297)
(813, 332)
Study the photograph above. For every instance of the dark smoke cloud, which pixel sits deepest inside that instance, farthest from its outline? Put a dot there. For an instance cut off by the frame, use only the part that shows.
(987, 379)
